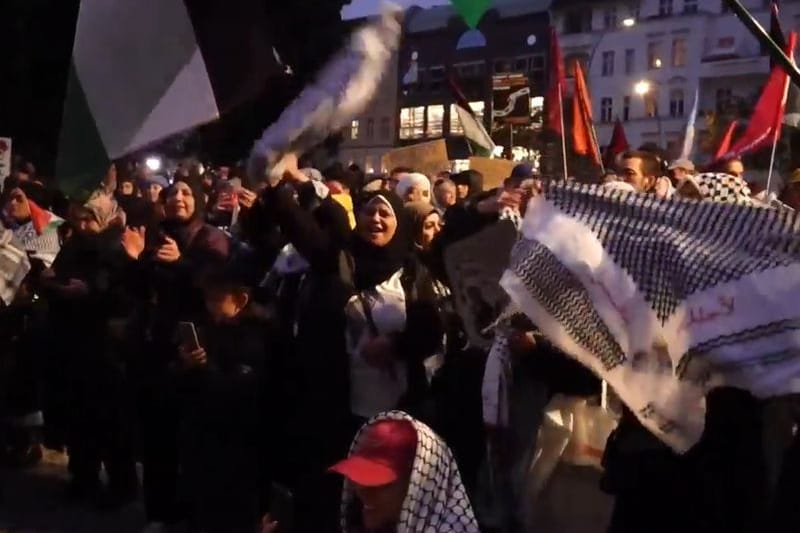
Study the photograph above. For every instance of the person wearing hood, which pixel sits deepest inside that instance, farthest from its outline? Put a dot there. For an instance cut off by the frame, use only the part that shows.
(401, 476)
(170, 262)
(86, 295)
(137, 209)
(469, 183)
(227, 398)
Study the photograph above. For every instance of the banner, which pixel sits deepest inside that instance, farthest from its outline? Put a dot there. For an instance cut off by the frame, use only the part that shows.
(5, 158)
(429, 158)
(511, 99)
(494, 171)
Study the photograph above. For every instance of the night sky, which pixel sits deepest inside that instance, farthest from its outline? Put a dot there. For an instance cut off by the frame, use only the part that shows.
(360, 8)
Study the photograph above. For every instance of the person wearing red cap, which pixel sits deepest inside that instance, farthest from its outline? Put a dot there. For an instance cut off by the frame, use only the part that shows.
(401, 476)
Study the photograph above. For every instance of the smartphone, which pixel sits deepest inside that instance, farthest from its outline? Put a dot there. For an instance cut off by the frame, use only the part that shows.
(281, 506)
(187, 336)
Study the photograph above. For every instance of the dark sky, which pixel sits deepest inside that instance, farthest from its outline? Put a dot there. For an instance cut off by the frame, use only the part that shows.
(360, 8)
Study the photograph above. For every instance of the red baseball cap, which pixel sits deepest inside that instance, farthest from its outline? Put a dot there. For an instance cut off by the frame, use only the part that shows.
(385, 453)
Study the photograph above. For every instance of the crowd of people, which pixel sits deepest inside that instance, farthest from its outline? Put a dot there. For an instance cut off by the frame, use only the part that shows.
(287, 356)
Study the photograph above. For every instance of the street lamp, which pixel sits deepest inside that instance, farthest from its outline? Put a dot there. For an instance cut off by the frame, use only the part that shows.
(629, 22)
(643, 88)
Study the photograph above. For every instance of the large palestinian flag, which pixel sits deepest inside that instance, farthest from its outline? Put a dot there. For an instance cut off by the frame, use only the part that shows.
(143, 70)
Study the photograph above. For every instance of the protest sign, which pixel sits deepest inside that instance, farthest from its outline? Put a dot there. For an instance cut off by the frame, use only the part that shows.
(474, 267)
(5, 158)
(429, 158)
(494, 171)
(511, 99)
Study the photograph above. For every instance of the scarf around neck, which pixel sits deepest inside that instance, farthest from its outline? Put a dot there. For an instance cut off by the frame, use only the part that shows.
(436, 499)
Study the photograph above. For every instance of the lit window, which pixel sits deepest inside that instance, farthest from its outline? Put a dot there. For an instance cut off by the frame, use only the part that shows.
(537, 111)
(370, 128)
(608, 63)
(368, 168)
(435, 120)
(606, 109)
(354, 130)
(654, 55)
(676, 103)
(455, 124)
(412, 122)
(679, 52)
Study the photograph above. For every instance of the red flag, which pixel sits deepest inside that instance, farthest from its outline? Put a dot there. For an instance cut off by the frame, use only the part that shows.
(617, 145)
(584, 140)
(765, 123)
(555, 92)
(725, 145)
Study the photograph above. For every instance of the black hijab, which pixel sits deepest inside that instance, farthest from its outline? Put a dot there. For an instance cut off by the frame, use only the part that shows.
(376, 264)
(183, 231)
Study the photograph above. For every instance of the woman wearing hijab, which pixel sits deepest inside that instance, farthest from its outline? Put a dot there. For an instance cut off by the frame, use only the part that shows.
(393, 323)
(400, 476)
(85, 297)
(171, 263)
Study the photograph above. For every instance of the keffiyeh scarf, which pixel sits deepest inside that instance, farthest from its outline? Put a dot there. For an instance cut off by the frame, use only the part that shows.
(665, 300)
(436, 501)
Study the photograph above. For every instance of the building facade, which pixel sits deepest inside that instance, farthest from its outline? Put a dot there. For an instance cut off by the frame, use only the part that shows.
(645, 61)
(373, 133)
(512, 37)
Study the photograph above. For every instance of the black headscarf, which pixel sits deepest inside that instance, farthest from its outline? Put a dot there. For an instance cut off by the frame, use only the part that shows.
(376, 264)
(33, 191)
(184, 230)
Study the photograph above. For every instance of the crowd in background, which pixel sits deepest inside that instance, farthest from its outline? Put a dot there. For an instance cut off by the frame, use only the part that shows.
(236, 336)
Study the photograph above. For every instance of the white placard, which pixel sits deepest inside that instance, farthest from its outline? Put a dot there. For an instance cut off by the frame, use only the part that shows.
(5, 158)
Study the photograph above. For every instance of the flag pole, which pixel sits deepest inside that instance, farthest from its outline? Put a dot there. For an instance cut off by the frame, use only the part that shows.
(563, 133)
(776, 136)
(765, 40)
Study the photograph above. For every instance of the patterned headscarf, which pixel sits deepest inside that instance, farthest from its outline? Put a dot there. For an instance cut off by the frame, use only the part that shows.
(436, 498)
(104, 208)
(721, 187)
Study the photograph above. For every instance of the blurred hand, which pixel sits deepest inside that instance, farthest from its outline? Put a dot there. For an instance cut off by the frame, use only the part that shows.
(192, 358)
(268, 525)
(168, 252)
(247, 198)
(290, 170)
(133, 241)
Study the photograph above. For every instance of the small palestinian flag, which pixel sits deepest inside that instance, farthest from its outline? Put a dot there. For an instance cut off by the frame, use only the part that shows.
(143, 70)
(42, 219)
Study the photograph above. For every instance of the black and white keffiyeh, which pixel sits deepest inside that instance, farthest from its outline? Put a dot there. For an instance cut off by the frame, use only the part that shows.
(664, 299)
(436, 501)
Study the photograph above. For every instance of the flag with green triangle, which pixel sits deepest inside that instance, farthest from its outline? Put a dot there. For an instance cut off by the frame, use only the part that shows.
(472, 10)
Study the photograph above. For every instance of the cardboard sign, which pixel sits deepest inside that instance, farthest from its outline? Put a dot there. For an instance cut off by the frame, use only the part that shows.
(5, 158)
(474, 267)
(511, 99)
(429, 158)
(494, 171)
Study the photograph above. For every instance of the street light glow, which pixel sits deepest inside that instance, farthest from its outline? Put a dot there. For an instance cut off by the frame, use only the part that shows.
(642, 88)
(629, 22)
(153, 163)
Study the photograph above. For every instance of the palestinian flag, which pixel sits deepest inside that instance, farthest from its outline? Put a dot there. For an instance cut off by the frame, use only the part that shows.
(143, 70)
(474, 130)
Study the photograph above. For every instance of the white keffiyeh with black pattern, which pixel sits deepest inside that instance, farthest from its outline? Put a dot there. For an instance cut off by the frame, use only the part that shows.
(664, 299)
(436, 501)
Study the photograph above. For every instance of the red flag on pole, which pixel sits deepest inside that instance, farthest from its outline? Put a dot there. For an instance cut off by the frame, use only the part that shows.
(725, 144)
(584, 140)
(765, 123)
(617, 145)
(555, 92)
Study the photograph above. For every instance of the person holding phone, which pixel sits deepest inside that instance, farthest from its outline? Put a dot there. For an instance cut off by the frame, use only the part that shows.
(224, 385)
